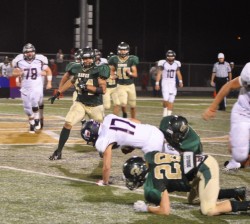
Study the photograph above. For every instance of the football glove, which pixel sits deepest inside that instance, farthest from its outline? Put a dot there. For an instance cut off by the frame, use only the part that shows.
(140, 206)
(53, 98)
(82, 86)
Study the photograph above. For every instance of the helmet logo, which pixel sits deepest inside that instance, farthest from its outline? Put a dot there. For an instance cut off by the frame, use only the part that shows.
(135, 171)
(183, 128)
(86, 134)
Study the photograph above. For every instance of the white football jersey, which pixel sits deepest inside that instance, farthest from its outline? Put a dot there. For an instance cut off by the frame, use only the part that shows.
(169, 70)
(32, 77)
(5, 69)
(124, 132)
(244, 95)
(103, 61)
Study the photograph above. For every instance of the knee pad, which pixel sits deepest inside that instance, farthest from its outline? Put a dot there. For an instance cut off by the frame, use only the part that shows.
(35, 109)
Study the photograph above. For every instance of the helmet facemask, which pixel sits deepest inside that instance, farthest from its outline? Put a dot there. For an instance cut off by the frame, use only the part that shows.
(123, 50)
(170, 55)
(87, 57)
(29, 52)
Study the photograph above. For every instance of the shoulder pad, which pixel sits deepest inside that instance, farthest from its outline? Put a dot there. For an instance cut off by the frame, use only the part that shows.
(178, 63)
(17, 59)
(161, 62)
(134, 59)
(104, 71)
(71, 66)
(42, 58)
(113, 60)
(165, 122)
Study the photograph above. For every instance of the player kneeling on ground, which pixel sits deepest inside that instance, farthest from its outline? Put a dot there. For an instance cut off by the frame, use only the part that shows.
(159, 179)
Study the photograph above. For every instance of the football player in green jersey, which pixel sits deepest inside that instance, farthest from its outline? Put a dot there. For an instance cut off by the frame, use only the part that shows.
(180, 135)
(162, 173)
(124, 65)
(90, 83)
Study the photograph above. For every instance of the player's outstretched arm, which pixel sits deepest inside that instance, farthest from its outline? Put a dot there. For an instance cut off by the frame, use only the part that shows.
(210, 112)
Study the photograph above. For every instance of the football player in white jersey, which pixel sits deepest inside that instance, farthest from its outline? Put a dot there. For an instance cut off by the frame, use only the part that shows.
(240, 118)
(5, 67)
(169, 71)
(32, 68)
(98, 58)
(116, 131)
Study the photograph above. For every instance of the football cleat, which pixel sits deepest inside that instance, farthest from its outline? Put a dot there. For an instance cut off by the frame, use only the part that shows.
(240, 194)
(56, 156)
(32, 129)
(231, 166)
(37, 124)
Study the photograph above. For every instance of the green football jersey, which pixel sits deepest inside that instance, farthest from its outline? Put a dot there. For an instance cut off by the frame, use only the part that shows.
(88, 76)
(121, 66)
(165, 173)
(190, 143)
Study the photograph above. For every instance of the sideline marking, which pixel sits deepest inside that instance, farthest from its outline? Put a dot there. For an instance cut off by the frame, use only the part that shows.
(76, 179)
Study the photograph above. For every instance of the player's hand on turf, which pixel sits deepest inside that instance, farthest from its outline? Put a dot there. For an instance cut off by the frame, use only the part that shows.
(53, 98)
(140, 206)
(101, 183)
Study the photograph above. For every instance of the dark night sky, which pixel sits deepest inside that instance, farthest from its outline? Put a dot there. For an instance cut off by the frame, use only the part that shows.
(150, 27)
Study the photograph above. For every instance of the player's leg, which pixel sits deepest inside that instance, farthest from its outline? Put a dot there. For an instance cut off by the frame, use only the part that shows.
(165, 95)
(116, 101)
(107, 99)
(132, 100)
(123, 98)
(96, 113)
(75, 115)
(239, 139)
(209, 191)
(27, 107)
(172, 94)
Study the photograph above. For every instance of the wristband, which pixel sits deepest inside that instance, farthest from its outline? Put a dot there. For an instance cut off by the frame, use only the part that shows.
(99, 90)
(49, 77)
(180, 81)
(157, 83)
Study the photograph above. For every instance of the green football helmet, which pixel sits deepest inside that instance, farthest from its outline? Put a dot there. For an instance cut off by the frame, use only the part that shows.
(177, 129)
(123, 49)
(87, 53)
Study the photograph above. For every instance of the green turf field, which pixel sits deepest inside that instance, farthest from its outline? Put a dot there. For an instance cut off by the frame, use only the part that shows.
(37, 190)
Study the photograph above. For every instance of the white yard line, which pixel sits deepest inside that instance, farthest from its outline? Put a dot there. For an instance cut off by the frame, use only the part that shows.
(75, 179)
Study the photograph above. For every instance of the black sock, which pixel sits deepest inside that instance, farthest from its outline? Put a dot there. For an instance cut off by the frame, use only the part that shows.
(240, 205)
(63, 138)
(226, 193)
